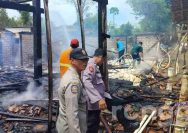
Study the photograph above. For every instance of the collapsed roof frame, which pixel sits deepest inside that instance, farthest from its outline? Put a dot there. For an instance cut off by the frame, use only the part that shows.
(37, 11)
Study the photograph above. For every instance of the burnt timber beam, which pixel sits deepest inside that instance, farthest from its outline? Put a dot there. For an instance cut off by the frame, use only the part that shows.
(80, 12)
(102, 28)
(20, 7)
(23, 1)
(50, 67)
(21, 116)
(37, 48)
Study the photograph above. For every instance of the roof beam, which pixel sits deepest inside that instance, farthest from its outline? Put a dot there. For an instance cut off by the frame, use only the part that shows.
(17, 6)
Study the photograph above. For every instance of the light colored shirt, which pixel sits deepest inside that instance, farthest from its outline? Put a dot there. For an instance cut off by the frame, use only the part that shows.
(72, 101)
(94, 85)
(120, 46)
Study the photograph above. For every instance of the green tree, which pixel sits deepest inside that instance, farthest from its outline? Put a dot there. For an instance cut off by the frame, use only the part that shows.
(155, 14)
(25, 18)
(4, 20)
(90, 22)
(126, 29)
(114, 11)
(13, 22)
(85, 5)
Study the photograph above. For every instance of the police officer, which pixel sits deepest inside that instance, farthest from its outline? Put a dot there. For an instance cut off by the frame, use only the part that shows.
(95, 88)
(72, 96)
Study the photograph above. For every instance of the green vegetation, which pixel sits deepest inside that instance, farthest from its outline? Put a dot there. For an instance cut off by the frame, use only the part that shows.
(24, 20)
(155, 15)
(114, 11)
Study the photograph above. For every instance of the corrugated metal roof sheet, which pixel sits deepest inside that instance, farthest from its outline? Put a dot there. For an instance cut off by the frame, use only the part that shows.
(18, 30)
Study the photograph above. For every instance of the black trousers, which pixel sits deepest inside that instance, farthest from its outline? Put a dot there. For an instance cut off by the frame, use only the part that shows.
(121, 53)
(93, 121)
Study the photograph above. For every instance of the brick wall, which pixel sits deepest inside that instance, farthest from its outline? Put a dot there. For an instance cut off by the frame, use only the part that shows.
(148, 41)
(10, 52)
(9, 49)
(1, 56)
(27, 49)
(7, 42)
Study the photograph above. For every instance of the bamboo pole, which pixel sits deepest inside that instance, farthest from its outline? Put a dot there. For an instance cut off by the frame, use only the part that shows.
(147, 122)
(50, 74)
(141, 123)
(80, 12)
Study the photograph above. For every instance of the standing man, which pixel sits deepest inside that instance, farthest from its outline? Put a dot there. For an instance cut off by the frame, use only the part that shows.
(65, 56)
(72, 96)
(121, 50)
(137, 53)
(95, 89)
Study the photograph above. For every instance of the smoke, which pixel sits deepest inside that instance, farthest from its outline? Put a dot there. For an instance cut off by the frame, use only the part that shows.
(60, 35)
(150, 59)
(33, 92)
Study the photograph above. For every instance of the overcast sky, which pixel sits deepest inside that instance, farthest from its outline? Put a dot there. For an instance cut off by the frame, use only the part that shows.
(63, 12)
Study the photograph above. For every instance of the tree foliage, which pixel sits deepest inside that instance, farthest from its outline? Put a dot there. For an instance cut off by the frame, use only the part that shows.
(91, 21)
(124, 30)
(4, 20)
(13, 22)
(85, 5)
(25, 18)
(114, 11)
(155, 14)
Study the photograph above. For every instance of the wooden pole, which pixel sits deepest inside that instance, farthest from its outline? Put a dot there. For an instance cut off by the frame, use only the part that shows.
(80, 12)
(37, 40)
(102, 24)
(126, 47)
(50, 74)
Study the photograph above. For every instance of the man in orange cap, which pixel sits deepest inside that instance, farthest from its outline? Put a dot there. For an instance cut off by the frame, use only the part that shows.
(65, 56)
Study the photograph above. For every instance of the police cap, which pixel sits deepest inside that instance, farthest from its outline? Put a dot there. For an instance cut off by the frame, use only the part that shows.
(100, 52)
(79, 53)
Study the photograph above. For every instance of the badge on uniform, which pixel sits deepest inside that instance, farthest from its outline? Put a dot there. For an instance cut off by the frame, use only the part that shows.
(84, 52)
(91, 69)
(74, 89)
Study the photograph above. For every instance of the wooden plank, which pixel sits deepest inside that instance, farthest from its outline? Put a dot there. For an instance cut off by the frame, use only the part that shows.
(24, 120)
(17, 6)
(183, 31)
(22, 116)
(23, 1)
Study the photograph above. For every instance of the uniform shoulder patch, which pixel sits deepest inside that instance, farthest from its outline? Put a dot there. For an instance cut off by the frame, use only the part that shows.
(74, 89)
(91, 69)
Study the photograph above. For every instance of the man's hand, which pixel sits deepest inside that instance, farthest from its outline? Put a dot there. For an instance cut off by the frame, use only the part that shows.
(102, 104)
